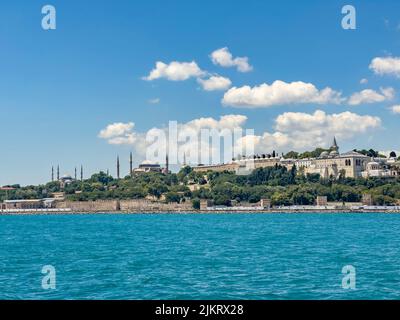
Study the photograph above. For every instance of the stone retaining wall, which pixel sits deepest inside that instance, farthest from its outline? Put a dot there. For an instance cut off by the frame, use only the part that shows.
(147, 205)
(140, 205)
(90, 206)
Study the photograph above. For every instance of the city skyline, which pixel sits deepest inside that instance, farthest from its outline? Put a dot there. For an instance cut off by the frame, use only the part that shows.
(58, 175)
(79, 94)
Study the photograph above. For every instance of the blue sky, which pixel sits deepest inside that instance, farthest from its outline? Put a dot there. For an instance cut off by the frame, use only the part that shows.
(60, 88)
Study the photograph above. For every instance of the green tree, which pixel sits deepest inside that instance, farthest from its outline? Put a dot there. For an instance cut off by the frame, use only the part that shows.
(291, 155)
(157, 189)
(196, 204)
(172, 197)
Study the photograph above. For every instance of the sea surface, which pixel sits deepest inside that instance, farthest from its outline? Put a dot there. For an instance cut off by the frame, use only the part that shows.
(200, 256)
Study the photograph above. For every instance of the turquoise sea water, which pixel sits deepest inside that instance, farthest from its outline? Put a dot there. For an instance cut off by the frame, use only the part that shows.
(210, 256)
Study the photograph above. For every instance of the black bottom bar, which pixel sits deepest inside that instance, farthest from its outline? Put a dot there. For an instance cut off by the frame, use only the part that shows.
(176, 310)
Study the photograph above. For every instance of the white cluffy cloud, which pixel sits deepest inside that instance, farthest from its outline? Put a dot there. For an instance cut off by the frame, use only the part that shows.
(318, 128)
(292, 131)
(279, 93)
(395, 109)
(304, 131)
(386, 66)
(174, 71)
(119, 133)
(187, 137)
(215, 83)
(225, 59)
(371, 96)
(364, 81)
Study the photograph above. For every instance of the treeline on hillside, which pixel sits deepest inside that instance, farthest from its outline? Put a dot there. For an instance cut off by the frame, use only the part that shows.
(282, 186)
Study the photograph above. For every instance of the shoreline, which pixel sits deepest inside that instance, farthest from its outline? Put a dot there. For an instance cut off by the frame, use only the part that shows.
(131, 212)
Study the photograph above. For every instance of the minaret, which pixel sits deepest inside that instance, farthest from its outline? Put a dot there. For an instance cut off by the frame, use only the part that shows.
(117, 167)
(108, 172)
(167, 163)
(81, 172)
(130, 164)
(75, 174)
(58, 172)
(52, 173)
(184, 159)
(335, 146)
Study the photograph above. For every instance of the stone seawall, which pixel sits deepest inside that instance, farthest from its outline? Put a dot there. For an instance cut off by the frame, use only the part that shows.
(90, 206)
(146, 205)
(134, 205)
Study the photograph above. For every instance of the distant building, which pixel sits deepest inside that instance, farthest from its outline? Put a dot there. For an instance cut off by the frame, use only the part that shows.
(28, 204)
(23, 204)
(322, 201)
(265, 203)
(148, 167)
(203, 204)
(303, 163)
(194, 187)
(58, 195)
(329, 164)
(65, 180)
(381, 168)
(218, 167)
(247, 165)
(333, 164)
(350, 164)
(242, 165)
(367, 199)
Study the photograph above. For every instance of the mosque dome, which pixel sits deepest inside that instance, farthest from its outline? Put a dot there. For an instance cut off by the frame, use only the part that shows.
(324, 154)
(334, 153)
